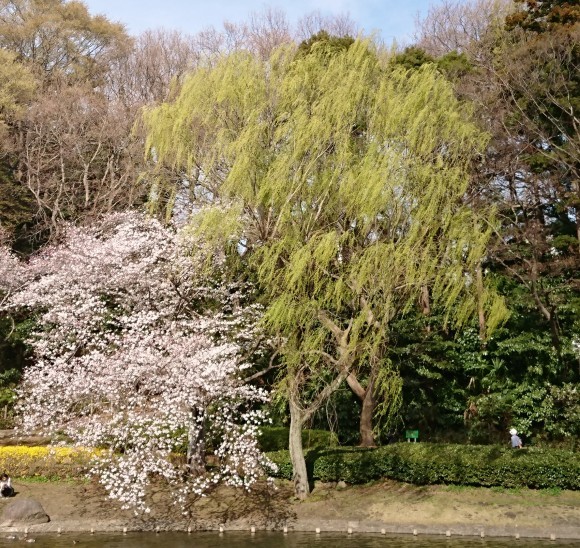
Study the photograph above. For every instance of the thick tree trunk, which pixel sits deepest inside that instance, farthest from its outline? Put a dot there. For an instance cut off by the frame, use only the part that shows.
(298, 416)
(367, 438)
(300, 474)
(366, 396)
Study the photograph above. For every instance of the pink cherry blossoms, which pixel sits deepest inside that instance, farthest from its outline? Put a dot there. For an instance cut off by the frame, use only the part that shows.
(12, 274)
(139, 352)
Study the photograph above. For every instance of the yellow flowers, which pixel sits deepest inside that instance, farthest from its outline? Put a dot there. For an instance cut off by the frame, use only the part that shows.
(45, 461)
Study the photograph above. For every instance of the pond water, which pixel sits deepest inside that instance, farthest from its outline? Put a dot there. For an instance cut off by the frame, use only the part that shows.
(269, 540)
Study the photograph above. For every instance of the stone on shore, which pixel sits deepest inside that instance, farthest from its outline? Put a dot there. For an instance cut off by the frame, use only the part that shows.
(23, 511)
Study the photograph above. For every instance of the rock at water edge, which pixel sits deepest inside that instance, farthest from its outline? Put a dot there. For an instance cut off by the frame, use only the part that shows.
(23, 511)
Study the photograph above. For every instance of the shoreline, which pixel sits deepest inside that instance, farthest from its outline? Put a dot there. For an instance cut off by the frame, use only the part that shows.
(385, 507)
(314, 527)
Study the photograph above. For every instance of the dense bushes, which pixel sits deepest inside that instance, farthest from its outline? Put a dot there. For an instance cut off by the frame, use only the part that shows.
(275, 438)
(418, 463)
(425, 463)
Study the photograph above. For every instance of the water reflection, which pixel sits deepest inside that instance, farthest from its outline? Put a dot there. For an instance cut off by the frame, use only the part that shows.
(270, 540)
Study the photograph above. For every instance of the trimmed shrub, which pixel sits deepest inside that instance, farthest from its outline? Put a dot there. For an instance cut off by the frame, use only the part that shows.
(275, 438)
(426, 463)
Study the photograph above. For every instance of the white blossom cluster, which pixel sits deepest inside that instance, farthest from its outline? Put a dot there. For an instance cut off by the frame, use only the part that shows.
(12, 273)
(140, 355)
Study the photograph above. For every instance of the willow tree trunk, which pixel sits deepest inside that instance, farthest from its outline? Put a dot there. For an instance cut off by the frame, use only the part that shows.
(300, 474)
(368, 403)
(367, 438)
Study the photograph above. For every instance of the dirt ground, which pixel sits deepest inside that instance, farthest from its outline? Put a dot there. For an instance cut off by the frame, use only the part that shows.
(386, 505)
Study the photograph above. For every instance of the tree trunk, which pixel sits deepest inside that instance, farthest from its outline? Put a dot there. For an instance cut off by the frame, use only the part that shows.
(548, 311)
(426, 304)
(578, 226)
(480, 309)
(367, 439)
(298, 416)
(300, 474)
(196, 445)
(367, 398)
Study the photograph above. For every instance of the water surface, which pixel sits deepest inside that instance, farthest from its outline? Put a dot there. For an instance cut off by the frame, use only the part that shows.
(269, 540)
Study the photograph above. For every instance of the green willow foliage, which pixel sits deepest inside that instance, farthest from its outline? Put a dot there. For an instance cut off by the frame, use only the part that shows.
(344, 180)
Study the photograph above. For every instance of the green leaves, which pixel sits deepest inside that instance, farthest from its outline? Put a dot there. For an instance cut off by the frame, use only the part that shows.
(346, 177)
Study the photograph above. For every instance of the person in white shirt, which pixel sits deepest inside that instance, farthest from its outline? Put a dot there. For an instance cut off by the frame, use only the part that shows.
(6, 489)
(515, 439)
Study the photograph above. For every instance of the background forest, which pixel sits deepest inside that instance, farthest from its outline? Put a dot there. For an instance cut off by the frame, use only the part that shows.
(82, 135)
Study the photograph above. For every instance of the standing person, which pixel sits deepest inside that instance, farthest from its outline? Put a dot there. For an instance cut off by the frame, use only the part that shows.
(516, 441)
(6, 489)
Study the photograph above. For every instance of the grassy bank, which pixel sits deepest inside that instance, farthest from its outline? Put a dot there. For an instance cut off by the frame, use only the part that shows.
(399, 507)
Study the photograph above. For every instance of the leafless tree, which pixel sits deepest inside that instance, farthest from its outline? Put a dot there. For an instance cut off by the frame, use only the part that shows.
(464, 27)
(145, 75)
(78, 159)
(314, 22)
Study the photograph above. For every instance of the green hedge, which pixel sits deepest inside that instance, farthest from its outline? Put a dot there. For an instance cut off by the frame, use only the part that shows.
(275, 438)
(426, 463)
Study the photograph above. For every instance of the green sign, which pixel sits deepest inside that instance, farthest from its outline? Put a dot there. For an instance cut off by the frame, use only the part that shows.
(412, 434)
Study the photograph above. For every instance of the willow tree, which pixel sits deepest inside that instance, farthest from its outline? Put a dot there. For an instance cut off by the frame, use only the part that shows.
(341, 180)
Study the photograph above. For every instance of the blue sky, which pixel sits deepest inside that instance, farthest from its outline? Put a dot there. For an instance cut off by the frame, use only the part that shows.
(392, 19)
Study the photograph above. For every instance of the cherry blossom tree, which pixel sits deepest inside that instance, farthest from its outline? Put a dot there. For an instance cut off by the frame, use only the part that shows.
(140, 354)
(12, 272)
(8, 266)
